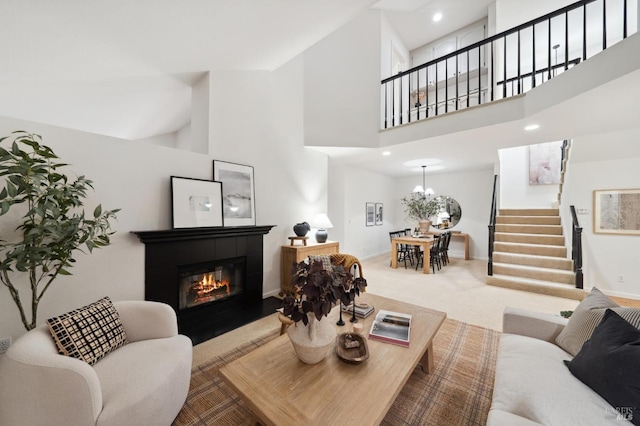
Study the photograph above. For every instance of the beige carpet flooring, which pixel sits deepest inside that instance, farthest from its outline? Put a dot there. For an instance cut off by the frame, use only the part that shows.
(457, 289)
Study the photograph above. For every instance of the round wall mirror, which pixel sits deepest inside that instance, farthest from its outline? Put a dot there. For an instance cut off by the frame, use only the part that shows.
(448, 212)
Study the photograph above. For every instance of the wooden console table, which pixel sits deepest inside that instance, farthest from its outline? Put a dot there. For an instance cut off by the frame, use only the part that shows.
(295, 254)
(465, 236)
(458, 235)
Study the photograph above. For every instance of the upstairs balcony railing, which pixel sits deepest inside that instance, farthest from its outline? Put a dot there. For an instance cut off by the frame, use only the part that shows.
(509, 63)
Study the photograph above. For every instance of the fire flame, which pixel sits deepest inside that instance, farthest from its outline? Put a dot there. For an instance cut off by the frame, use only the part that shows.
(208, 284)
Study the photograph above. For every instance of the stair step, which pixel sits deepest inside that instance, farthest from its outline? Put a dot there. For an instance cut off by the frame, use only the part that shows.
(528, 212)
(530, 229)
(534, 249)
(551, 262)
(531, 220)
(535, 272)
(536, 286)
(509, 237)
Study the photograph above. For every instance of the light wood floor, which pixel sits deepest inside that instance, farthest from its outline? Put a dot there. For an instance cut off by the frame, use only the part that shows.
(626, 302)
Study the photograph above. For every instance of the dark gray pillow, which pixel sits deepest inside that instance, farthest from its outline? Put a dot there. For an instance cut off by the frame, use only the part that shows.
(608, 364)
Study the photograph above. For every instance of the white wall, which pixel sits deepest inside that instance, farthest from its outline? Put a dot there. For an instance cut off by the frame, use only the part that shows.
(168, 139)
(389, 39)
(351, 188)
(605, 256)
(342, 85)
(291, 180)
(511, 13)
(135, 178)
(200, 102)
(515, 191)
(472, 190)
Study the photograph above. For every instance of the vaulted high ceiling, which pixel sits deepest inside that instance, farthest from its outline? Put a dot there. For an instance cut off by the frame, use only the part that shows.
(124, 68)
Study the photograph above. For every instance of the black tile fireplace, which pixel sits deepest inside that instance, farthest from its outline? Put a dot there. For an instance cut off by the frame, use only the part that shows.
(211, 277)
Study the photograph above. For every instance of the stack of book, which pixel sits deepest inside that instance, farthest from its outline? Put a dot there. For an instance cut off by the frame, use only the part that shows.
(391, 327)
(363, 310)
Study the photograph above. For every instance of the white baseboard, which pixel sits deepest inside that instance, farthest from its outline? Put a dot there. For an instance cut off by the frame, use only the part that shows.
(371, 256)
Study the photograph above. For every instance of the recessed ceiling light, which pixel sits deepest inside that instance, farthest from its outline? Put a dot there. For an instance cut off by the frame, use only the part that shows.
(386, 153)
(437, 17)
(531, 127)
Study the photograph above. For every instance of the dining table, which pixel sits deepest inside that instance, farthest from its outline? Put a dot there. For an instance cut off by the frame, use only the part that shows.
(423, 241)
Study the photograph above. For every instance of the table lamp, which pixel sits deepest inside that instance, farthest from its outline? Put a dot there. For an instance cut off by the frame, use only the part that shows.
(322, 222)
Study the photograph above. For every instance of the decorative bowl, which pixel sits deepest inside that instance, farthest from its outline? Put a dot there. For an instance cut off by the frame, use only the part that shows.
(354, 355)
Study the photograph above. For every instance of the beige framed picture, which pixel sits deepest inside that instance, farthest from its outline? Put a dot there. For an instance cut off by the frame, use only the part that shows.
(616, 211)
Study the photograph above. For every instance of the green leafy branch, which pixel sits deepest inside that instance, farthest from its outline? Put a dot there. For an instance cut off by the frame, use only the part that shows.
(53, 226)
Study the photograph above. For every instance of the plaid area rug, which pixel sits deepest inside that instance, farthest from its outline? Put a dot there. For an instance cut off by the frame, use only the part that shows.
(458, 392)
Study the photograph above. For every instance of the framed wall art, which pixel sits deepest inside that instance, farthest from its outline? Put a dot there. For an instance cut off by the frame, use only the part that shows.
(238, 193)
(616, 211)
(370, 213)
(195, 203)
(379, 211)
(545, 163)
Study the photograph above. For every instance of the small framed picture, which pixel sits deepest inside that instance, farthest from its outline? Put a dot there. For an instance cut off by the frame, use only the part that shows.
(371, 214)
(616, 211)
(195, 203)
(379, 211)
(238, 193)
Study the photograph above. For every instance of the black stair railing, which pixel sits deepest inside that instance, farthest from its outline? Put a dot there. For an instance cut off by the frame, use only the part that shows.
(492, 224)
(506, 64)
(576, 248)
(563, 153)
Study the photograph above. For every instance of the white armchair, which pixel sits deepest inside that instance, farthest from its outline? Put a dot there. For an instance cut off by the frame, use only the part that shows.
(144, 382)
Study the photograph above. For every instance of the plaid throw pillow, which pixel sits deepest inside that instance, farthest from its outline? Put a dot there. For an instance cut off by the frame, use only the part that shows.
(88, 333)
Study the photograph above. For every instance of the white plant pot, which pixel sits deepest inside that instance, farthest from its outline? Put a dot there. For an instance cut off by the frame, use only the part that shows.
(314, 341)
(425, 225)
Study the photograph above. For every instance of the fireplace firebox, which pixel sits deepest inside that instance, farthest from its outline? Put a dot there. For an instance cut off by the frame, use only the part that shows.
(208, 282)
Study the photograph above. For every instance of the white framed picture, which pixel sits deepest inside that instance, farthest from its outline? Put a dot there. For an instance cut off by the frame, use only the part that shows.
(370, 212)
(379, 213)
(196, 203)
(616, 211)
(238, 193)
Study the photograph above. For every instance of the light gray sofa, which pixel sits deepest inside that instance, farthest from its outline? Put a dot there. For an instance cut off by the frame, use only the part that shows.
(144, 382)
(533, 385)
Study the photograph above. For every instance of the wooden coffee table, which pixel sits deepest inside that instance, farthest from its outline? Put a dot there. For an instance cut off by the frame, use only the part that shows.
(282, 390)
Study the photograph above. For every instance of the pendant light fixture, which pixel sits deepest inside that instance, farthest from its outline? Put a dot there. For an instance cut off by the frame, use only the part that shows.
(427, 193)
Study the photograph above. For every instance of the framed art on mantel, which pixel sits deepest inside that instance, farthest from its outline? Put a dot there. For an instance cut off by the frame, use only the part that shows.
(195, 203)
(616, 211)
(238, 193)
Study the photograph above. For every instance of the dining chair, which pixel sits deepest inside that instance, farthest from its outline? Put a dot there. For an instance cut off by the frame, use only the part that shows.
(434, 253)
(444, 248)
(404, 253)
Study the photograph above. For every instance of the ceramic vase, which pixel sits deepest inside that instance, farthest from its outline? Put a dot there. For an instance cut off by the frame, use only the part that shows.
(314, 341)
(301, 229)
(424, 224)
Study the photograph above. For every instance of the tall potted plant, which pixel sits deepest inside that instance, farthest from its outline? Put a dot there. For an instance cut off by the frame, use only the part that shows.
(316, 291)
(52, 224)
(421, 209)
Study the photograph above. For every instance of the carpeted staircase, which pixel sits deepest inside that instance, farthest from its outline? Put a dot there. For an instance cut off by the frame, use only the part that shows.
(530, 254)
